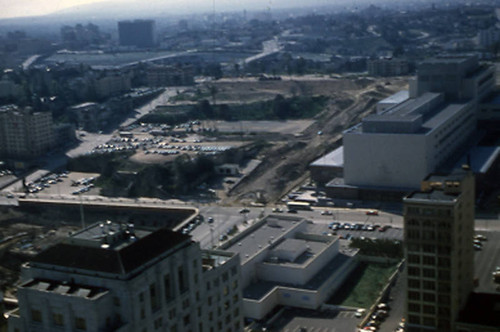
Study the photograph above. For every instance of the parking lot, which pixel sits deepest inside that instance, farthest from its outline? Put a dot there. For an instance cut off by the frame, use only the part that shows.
(63, 183)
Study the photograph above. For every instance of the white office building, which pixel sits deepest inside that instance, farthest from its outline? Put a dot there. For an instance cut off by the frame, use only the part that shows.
(400, 146)
(111, 277)
(284, 263)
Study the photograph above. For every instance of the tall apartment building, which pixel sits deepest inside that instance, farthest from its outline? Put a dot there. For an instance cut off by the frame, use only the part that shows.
(438, 234)
(24, 134)
(137, 33)
(112, 277)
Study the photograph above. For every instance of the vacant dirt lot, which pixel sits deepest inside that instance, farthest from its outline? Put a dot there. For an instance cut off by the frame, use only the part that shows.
(285, 164)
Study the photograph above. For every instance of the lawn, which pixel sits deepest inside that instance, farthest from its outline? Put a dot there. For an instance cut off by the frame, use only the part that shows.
(363, 286)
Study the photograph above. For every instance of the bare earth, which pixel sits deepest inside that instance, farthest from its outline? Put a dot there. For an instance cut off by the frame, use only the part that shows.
(285, 164)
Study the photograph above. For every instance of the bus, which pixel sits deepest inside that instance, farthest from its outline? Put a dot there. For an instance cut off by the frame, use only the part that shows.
(298, 205)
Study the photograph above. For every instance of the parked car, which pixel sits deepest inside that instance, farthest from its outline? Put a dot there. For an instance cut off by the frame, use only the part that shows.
(372, 213)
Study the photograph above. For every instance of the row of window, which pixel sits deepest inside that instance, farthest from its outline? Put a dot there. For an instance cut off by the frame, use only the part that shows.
(58, 320)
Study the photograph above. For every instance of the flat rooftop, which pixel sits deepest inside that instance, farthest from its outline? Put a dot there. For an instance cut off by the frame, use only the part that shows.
(65, 288)
(433, 195)
(481, 158)
(259, 289)
(332, 159)
(409, 107)
(262, 237)
(396, 98)
(117, 253)
(437, 119)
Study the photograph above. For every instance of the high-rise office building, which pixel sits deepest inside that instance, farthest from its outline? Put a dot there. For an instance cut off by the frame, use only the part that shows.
(113, 277)
(137, 33)
(439, 226)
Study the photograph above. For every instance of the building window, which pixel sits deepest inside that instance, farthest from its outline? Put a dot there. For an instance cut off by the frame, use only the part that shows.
(236, 312)
(234, 270)
(225, 291)
(143, 313)
(428, 309)
(235, 298)
(429, 297)
(413, 307)
(429, 260)
(158, 323)
(80, 324)
(413, 283)
(186, 320)
(141, 297)
(235, 284)
(171, 314)
(413, 271)
(429, 321)
(225, 276)
(429, 273)
(414, 295)
(183, 284)
(153, 296)
(167, 282)
(36, 315)
(58, 319)
(429, 285)
(414, 259)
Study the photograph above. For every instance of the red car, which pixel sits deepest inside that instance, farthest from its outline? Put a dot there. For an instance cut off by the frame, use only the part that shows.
(372, 213)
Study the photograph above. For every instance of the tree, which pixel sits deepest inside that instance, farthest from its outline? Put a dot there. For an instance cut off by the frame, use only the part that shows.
(281, 107)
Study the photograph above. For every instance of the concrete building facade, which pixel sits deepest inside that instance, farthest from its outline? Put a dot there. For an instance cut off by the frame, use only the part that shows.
(283, 263)
(112, 277)
(438, 234)
(25, 134)
(403, 144)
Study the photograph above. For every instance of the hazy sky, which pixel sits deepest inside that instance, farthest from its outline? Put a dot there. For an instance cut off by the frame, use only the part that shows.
(16, 8)
(23, 8)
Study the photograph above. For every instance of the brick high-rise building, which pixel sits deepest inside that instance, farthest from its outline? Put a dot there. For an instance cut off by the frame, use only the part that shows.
(439, 227)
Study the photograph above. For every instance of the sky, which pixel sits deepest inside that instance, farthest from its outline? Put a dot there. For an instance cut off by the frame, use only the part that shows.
(20, 8)
(25, 8)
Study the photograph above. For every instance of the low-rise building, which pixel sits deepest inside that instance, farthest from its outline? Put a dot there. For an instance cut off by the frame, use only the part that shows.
(170, 76)
(388, 67)
(284, 263)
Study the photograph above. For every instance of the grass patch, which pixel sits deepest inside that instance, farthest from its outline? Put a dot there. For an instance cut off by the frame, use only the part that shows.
(363, 286)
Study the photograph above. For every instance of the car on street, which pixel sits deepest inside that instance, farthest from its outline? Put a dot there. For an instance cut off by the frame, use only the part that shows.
(372, 213)
(244, 210)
